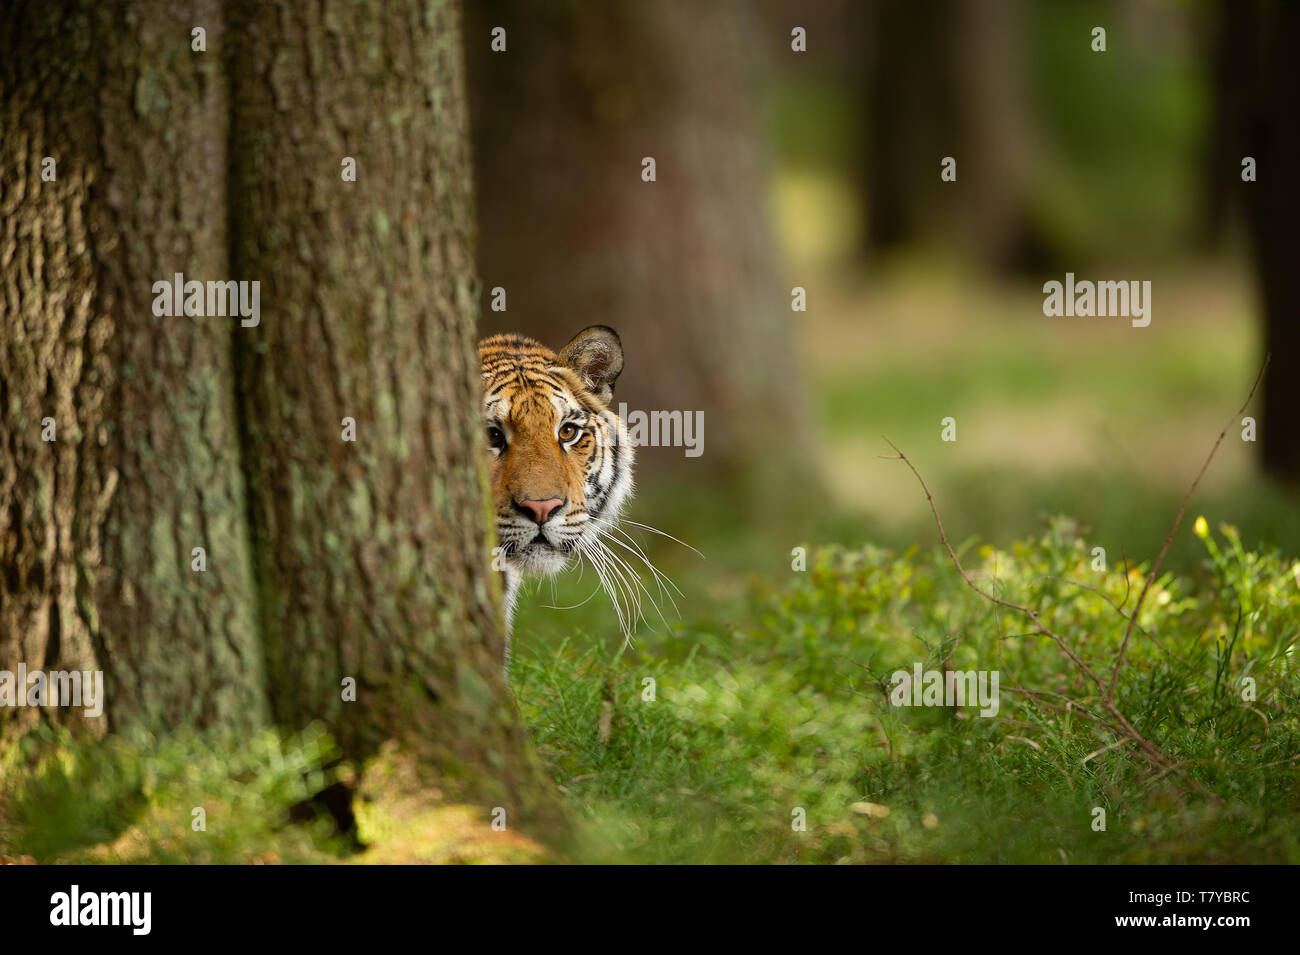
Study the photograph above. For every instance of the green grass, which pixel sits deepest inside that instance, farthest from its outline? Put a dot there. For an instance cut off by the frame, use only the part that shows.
(768, 689)
(706, 740)
(783, 709)
(84, 800)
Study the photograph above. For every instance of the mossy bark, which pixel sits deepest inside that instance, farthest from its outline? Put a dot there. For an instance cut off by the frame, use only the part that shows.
(326, 559)
(97, 526)
(371, 553)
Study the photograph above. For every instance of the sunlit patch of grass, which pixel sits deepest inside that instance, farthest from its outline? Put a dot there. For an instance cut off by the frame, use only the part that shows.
(210, 798)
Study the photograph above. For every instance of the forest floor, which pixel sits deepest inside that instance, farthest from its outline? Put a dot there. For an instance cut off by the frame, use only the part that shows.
(769, 688)
(753, 723)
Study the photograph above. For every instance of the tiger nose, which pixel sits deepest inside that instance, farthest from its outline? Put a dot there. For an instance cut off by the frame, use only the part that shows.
(541, 510)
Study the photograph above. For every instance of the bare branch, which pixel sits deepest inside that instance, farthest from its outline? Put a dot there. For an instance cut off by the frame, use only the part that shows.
(1155, 568)
(1028, 612)
(1152, 752)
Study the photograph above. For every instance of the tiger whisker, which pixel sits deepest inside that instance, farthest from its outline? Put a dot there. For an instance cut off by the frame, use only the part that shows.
(660, 577)
(620, 578)
(636, 580)
(655, 530)
(619, 572)
(580, 603)
(628, 543)
(600, 564)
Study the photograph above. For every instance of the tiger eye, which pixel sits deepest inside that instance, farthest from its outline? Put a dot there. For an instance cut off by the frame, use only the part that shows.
(568, 431)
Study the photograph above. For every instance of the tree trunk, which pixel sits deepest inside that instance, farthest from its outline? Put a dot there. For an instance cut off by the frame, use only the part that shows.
(1273, 204)
(682, 266)
(912, 119)
(947, 78)
(327, 559)
(98, 526)
(1233, 50)
(372, 554)
(996, 149)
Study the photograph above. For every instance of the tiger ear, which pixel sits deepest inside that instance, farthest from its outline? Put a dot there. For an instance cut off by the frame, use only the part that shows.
(596, 354)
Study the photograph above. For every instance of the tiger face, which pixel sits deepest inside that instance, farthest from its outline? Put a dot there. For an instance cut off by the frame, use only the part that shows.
(560, 466)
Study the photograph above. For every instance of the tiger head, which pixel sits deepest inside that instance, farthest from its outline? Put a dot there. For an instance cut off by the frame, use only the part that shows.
(560, 466)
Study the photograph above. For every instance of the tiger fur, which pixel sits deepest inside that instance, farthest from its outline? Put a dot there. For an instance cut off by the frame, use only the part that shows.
(560, 464)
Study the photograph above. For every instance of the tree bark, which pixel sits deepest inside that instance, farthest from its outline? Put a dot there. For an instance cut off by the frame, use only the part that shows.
(327, 559)
(97, 527)
(372, 555)
(682, 267)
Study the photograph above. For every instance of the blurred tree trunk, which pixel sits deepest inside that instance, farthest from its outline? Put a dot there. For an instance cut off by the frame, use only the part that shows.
(97, 527)
(683, 266)
(947, 78)
(1234, 50)
(912, 118)
(326, 559)
(996, 138)
(1273, 211)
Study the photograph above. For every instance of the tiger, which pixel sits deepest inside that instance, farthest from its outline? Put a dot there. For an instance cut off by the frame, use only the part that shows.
(560, 463)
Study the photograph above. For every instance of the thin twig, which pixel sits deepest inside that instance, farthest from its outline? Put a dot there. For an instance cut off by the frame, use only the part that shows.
(1104, 749)
(1153, 753)
(1071, 705)
(952, 554)
(1182, 509)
